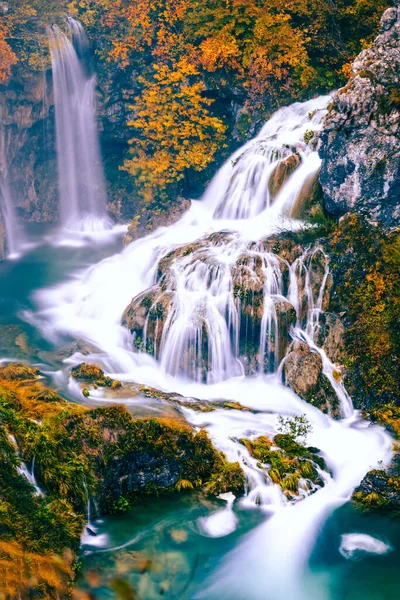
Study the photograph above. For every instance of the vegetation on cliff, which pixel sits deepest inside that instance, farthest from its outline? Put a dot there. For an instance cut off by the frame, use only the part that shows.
(79, 454)
(191, 73)
(366, 266)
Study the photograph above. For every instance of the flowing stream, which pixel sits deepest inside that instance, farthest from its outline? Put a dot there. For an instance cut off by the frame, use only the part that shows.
(200, 344)
(81, 180)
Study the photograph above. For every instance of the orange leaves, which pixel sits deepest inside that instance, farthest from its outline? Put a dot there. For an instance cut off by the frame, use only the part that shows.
(175, 130)
(7, 56)
(24, 573)
(219, 51)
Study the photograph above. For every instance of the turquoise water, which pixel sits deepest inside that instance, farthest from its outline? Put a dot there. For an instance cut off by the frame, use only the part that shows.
(158, 547)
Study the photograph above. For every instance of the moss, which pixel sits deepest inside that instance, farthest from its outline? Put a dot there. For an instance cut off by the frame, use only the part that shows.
(365, 263)
(308, 136)
(87, 372)
(229, 477)
(18, 371)
(92, 374)
(286, 466)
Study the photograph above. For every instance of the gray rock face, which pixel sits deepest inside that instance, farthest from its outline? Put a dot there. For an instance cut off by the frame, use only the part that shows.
(360, 146)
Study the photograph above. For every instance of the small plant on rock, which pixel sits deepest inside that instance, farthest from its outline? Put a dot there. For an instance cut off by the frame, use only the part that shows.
(296, 428)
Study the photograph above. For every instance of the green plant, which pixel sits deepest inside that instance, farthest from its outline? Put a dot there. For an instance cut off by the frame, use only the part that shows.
(295, 427)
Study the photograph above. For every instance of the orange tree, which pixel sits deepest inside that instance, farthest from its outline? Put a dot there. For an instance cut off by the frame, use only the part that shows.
(7, 57)
(175, 130)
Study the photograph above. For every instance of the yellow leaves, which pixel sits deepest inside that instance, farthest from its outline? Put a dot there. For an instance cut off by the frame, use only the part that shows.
(219, 51)
(175, 130)
(7, 56)
(24, 573)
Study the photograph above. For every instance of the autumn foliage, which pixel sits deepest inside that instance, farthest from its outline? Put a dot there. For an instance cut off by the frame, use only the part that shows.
(255, 53)
(7, 56)
(194, 69)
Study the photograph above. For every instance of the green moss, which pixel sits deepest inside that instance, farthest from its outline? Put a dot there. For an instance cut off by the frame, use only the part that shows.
(229, 477)
(366, 262)
(286, 466)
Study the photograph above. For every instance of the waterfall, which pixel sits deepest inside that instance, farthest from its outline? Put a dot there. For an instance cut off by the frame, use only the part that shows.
(14, 236)
(186, 308)
(80, 173)
(242, 187)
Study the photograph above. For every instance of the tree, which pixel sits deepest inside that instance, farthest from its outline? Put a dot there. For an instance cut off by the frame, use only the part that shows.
(7, 57)
(174, 130)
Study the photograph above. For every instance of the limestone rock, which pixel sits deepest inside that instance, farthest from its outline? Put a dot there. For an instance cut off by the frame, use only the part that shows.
(281, 173)
(360, 147)
(302, 372)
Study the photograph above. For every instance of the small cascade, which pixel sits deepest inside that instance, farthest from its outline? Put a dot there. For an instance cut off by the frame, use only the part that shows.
(80, 173)
(253, 179)
(14, 236)
(30, 476)
(23, 469)
(226, 307)
(90, 536)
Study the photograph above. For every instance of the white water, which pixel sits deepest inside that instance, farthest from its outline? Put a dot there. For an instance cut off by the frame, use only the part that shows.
(272, 561)
(14, 235)
(354, 545)
(80, 172)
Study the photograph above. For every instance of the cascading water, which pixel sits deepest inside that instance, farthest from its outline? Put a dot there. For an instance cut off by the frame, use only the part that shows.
(80, 173)
(14, 236)
(198, 287)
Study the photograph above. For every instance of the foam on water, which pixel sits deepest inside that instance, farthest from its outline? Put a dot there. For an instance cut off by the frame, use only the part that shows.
(354, 545)
(272, 560)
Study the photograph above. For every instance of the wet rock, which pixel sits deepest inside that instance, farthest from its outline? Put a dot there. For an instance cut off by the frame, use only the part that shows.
(380, 490)
(229, 284)
(281, 174)
(331, 337)
(302, 372)
(360, 147)
(309, 200)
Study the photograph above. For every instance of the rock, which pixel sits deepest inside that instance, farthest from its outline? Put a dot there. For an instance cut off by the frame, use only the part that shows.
(302, 371)
(360, 147)
(308, 202)
(331, 337)
(149, 313)
(150, 220)
(379, 490)
(281, 174)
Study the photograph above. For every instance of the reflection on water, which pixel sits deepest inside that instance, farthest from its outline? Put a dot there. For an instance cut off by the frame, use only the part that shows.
(159, 550)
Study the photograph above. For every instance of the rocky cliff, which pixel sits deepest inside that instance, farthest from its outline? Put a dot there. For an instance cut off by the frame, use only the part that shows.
(28, 146)
(360, 140)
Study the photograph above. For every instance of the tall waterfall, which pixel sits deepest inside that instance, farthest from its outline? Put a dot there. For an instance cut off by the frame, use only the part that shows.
(204, 297)
(14, 236)
(81, 180)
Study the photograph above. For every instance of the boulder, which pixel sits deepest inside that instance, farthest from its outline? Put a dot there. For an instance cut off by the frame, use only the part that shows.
(380, 489)
(302, 371)
(281, 174)
(360, 147)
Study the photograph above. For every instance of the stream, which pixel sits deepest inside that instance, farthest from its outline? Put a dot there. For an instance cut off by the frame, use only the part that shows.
(68, 291)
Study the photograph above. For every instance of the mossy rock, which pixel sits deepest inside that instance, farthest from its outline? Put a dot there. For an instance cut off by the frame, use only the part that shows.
(288, 465)
(19, 371)
(87, 372)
